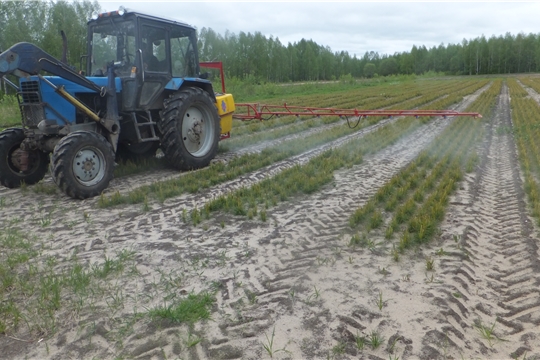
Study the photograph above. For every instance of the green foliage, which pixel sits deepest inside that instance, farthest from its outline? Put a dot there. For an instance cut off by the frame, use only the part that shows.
(263, 59)
(189, 310)
(35, 289)
(388, 66)
(369, 70)
(40, 22)
(416, 198)
(525, 118)
(10, 115)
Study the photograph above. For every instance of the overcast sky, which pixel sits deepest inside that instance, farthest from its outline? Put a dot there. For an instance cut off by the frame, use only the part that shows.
(356, 27)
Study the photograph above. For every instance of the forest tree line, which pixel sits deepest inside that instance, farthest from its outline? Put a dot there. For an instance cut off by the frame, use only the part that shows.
(261, 58)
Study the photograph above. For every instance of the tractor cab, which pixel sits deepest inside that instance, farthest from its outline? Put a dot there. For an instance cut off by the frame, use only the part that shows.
(151, 53)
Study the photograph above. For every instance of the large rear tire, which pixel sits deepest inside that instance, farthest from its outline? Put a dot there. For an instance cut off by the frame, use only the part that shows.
(190, 129)
(11, 174)
(83, 164)
(135, 152)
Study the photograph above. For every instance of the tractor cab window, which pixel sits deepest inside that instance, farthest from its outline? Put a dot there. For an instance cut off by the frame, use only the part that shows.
(112, 41)
(154, 52)
(183, 57)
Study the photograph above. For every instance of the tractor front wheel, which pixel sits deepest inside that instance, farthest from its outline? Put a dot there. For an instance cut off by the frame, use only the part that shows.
(83, 164)
(17, 165)
(190, 129)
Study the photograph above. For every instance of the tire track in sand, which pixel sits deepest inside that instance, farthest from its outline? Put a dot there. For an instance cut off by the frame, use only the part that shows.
(493, 275)
(278, 264)
(307, 236)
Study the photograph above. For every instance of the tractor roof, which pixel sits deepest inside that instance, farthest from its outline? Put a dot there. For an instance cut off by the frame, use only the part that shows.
(129, 13)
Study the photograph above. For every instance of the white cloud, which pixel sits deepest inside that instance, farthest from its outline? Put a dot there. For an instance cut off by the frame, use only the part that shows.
(355, 27)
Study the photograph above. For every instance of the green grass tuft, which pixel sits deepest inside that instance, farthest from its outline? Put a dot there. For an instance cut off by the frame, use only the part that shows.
(189, 310)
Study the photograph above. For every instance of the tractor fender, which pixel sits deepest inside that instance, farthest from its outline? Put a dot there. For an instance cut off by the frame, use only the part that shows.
(184, 83)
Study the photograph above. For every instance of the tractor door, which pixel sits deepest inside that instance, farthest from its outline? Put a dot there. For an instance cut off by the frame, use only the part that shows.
(184, 57)
(154, 57)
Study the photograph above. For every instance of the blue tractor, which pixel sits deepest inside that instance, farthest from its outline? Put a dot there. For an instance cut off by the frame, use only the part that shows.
(141, 89)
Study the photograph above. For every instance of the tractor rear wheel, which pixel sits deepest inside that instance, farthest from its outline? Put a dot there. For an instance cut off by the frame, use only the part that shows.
(190, 129)
(18, 166)
(133, 152)
(83, 164)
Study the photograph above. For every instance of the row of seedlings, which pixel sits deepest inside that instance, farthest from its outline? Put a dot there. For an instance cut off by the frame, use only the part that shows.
(310, 177)
(217, 173)
(413, 203)
(526, 128)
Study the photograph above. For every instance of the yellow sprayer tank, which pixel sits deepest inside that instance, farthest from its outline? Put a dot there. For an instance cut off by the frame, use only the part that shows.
(225, 106)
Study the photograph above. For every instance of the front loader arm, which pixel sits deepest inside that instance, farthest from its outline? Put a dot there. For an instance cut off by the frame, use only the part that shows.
(25, 59)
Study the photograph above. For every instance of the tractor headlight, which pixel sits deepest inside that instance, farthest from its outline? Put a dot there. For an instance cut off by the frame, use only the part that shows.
(121, 10)
(95, 15)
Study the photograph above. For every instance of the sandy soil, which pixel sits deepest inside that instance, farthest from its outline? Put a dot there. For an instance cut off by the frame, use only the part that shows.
(294, 275)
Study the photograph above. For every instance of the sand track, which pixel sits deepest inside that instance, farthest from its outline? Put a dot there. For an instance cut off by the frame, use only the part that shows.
(493, 276)
(295, 275)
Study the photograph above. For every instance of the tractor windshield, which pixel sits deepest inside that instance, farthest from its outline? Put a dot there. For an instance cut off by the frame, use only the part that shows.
(112, 41)
(183, 56)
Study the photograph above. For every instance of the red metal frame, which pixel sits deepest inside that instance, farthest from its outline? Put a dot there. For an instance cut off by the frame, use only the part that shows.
(215, 65)
(259, 112)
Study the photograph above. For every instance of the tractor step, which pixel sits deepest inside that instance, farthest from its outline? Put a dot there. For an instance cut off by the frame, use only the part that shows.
(145, 130)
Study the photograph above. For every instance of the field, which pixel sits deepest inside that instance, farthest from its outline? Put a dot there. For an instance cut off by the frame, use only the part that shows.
(306, 238)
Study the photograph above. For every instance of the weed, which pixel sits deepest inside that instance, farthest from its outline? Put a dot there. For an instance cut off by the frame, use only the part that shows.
(487, 332)
(45, 221)
(371, 245)
(360, 341)
(42, 188)
(292, 294)
(195, 216)
(184, 215)
(309, 300)
(440, 252)
(189, 310)
(192, 341)
(339, 348)
(395, 253)
(321, 260)
(375, 339)
(379, 301)
(317, 292)
(445, 345)
(146, 206)
(357, 240)
(430, 264)
(269, 345)
(252, 297)
(392, 346)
